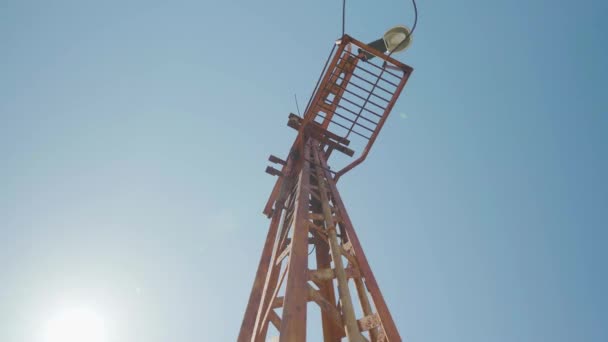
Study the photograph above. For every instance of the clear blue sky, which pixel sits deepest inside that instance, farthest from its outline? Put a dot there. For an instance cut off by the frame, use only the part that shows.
(134, 137)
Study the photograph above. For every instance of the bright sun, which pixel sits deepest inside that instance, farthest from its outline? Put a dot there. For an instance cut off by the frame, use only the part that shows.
(75, 325)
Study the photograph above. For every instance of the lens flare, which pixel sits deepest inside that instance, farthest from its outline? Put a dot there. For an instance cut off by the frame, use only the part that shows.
(75, 325)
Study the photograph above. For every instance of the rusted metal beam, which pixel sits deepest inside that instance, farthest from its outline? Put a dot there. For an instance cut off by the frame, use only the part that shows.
(321, 274)
(327, 307)
(247, 327)
(352, 272)
(369, 322)
(331, 332)
(389, 108)
(305, 201)
(293, 322)
(275, 319)
(387, 320)
(276, 160)
(352, 331)
(309, 115)
(278, 302)
(273, 280)
(283, 254)
(273, 172)
(264, 314)
(323, 135)
(366, 307)
(351, 258)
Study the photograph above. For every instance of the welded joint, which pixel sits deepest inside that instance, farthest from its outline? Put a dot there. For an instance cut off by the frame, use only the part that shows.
(369, 322)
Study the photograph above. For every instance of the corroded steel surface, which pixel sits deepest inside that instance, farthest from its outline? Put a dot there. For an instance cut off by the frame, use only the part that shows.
(352, 101)
(312, 216)
(347, 110)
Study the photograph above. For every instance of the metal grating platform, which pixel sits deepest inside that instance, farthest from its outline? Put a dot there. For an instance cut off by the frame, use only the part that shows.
(350, 104)
(356, 95)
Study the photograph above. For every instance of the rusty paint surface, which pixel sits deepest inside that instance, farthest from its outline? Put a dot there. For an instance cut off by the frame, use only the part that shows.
(349, 107)
(352, 101)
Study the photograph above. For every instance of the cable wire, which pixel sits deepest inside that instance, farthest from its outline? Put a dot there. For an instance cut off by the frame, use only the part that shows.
(343, 16)
(411, 31)
(313, 249)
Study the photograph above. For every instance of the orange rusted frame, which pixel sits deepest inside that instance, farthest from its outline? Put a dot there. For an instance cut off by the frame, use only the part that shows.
(387, 320)
(407, 71)
(255, 297)
(312, 205)
(293, 322)
(306, 209)
(307, 118)
(346, 63)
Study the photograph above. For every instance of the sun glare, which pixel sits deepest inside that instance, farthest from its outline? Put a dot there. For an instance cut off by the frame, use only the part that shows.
(75, 325)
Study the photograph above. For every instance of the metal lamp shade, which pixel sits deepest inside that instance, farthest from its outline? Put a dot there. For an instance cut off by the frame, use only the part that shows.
(394, 40)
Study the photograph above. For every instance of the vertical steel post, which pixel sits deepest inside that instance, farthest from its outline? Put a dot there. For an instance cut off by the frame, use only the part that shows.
(348, 312)
(293, 323)
(247, 327)
(387, 320)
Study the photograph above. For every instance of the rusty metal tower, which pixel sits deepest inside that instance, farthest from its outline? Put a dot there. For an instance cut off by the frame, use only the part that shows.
(351, 102)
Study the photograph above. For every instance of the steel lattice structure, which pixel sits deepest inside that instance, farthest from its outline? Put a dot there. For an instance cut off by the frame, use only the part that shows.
(349, 106)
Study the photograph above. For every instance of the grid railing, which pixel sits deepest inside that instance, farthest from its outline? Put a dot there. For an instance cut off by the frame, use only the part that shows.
(356, 94)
